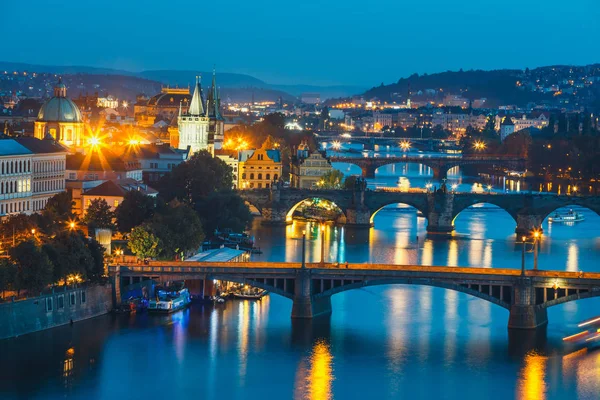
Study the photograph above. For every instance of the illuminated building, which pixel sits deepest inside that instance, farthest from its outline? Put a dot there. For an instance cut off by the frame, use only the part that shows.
(307, 168)
(193, 125)
(15, 178)
(231, 158)
(202, 126)
(61, 119)
(156, 160)
(259, 168)
(48, 161)
(163, 106)
(507, 127)
(524, 121)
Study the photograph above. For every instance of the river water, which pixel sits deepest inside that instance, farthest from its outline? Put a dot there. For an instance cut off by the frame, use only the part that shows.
(380, 342)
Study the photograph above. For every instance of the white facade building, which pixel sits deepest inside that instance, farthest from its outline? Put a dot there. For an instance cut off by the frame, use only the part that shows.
(15, 178)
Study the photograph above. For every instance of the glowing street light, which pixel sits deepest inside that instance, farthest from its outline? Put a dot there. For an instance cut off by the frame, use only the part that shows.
(405, 145)
(479, 145)
(428, 186)
(336, 145)
(94, 141)
(575, 189)
(489, 188)
(454, 186)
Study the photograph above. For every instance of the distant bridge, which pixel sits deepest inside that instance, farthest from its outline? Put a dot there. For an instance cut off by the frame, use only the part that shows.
(526, 294)
(439, 165)
(369, 142)
(277, 205)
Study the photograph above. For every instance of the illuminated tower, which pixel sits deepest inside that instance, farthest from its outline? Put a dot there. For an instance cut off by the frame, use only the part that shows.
(194, 124)
(216, 122)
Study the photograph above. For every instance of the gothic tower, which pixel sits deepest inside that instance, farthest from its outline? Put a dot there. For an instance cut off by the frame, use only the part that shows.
(216, 122)
(193, 125)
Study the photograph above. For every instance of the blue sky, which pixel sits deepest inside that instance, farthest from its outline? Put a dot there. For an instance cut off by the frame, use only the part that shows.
(304, 42)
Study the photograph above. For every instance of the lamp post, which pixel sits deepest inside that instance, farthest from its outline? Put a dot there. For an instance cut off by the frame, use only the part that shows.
(523, 257)
(303, 249)
(536, 244)
(322, 245)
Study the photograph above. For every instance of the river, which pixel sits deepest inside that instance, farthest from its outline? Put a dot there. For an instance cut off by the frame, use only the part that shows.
(381, 342)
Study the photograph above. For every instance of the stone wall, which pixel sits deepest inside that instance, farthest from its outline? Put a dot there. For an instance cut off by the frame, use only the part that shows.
(55, 309)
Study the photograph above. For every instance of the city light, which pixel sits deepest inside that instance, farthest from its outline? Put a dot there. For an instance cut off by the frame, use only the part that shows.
(336, 145)
(479, 145)
(454, 186)
(405, 145)
(94, 141)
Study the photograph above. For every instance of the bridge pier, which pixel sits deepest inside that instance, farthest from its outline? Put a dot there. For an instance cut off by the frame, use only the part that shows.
(527, 223)
(524, 314)
(274, 216)
(359, 217)
(440, 216)
(368, 170)
(439, 174)
(306, 305)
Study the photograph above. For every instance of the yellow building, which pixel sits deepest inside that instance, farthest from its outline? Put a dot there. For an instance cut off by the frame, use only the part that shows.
(307, 168)
(259, 168)
(60, 118)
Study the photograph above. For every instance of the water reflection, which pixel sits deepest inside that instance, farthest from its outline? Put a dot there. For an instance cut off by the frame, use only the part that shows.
(315, 374)
(532, 383)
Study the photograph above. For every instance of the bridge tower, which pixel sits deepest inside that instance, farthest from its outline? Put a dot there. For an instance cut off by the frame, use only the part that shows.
(358, 214)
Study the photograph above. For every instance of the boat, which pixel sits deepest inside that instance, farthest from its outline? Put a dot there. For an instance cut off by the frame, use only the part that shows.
(588, 334)
(169, 301)
(229, 237)
(571, 216)
(250, 294)
(403, 184)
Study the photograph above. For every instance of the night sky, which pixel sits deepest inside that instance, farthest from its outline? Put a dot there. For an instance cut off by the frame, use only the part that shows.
(307, 41)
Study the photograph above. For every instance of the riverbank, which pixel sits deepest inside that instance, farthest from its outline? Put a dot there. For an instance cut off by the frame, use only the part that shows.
(61, 307)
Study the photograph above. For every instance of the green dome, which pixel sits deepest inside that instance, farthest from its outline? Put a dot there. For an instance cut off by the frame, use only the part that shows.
(59, 109)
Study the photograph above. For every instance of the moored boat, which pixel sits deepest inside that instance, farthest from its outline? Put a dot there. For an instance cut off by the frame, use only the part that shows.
(169, 301)
(571, 216)
(251, 294)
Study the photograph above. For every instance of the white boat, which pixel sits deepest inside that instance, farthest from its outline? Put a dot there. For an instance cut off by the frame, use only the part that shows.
(255, 294)
(570, 216)
(170, 301)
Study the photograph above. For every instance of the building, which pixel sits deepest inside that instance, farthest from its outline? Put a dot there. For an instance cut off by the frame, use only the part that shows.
(524, 121)
(15, 178)
(202, 127)
(310, 98)
(507, 127)
(113, 192)
(458, 123)
(61, 119)
(231, 158)
(48, 160)
(155, 160)
(307, 168)
(381, 120)
(163, 106)
(259, 168)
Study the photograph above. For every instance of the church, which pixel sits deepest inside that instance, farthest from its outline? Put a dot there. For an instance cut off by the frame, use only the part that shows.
(60, 118)
(201, 127)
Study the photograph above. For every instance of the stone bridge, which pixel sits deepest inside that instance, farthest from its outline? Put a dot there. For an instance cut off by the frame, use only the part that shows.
(370, 142)
(526, 294)
(439, 165)
(277, 205)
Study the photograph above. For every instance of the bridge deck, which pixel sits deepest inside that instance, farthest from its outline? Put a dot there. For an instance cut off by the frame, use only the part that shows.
(193, 266)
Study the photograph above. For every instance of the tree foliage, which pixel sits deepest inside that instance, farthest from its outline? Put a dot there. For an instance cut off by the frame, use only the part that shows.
(178, 228)
(135, 209)
(223, 210)
(143, 243)
(332, 180)
(99, 215)
(8, 275)
(34, 269)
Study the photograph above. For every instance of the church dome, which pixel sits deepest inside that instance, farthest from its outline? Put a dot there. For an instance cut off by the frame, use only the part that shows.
(59, 108)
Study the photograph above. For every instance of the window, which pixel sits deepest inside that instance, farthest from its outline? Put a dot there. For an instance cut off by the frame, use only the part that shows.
(61, 302)
(268, 176)
(48, 304)
(83, 297)
(72, 299)
(259, 176)
(259, 185)
(251, 176)
(116, 203)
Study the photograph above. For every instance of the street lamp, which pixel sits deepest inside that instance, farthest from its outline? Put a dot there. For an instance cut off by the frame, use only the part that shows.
(304, 249)
(454, 186)
(489, 188)
(479, 145)
(322, 245)
(575, 189)
(405, 145)
(428, 186)
(523, 256)
(537, 235)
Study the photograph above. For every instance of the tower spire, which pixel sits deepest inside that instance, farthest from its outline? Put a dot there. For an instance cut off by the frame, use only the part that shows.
(196, 105)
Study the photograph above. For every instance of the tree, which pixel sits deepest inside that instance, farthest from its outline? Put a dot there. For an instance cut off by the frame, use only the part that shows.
(178, 228)
(135, 209)
(96, 269)
(143, 243)
(99, 215)
(16, 229)
(223, 210)
(57, 214)
(200, 175)
(332, 180)
(69, 255)
(8, 275)
(350, 182)
(34, 269)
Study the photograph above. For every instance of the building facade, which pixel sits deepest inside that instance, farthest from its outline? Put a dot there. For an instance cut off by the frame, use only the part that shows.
(61, 119)
(259, 168)
(193, 124)
(231, 158)
(15, 178)
(507, 127)
(48, 160)
(307, 169)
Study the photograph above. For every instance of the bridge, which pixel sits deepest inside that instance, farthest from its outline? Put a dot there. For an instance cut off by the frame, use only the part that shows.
(526, 294)
(369, 142)
(439, 165)
(440, 208)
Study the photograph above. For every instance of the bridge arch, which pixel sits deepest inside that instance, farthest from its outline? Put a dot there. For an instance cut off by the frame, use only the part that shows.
(498, 300)
(414, 206)
(285, 291)
(462, 206)
(290, 213)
